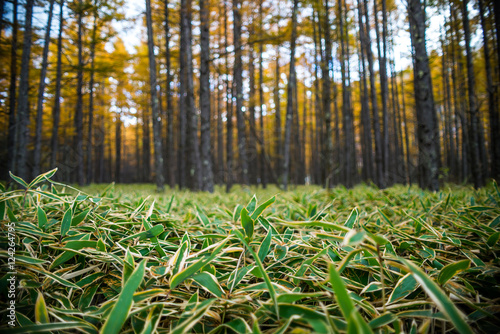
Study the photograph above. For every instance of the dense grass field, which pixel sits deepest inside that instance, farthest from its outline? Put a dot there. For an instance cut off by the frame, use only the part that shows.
(122, 258)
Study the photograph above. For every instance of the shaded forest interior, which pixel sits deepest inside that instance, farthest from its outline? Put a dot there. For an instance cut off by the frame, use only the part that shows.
(324, 92)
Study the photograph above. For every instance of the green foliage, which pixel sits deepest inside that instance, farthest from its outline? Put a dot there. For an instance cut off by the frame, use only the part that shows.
(307, 261)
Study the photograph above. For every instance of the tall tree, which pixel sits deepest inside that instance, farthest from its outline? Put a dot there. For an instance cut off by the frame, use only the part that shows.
(23, 97)
(424, 100)
(326, 95)
(170, 156)
(379, 175)
(93, 43)
(492, 106)
(183, 70)
(154, 102)
(56, 110)
(238, 85)
(263, 169)
(278, 147)
(78, 139)
(41, 91)
(291, 104)
(207, 174)
(229, 109)
(13, 126)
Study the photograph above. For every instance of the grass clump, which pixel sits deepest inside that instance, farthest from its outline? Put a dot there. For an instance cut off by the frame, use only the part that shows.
(124, 259)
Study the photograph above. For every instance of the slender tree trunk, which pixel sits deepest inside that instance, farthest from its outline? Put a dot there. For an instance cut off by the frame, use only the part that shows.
(290, 97)
(154, 102)
(492, 106)
(146, 145)
(424, 101)
(252, 142)
(207, 173)
(477, 171)
(220, 136)
(79, 103)
(23, 102)
(170, 156)
(384, 86)
(263, 169)
(327, 108)
(238, 82)
(90, 176)
(229, 111)
(13, 126)
(407, 135)
(317, 108)
(41, 90)
(118, 148)
(277, 105)
(183, 74)
(379, 176)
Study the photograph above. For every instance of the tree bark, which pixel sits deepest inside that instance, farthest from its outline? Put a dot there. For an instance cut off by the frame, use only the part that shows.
(263, 169)
(41, 89)
(477, 172)
(90, 172)
(238, 82)
(229, 110)
(13, 126)
(154, 102)
(379, 176)
(78, 140)
(170, 156)
(23, 98)
(424, 101)
(118, 147)
(56, 110)
(326, 97)
(492, 106)
(207, 173)
(290, 106)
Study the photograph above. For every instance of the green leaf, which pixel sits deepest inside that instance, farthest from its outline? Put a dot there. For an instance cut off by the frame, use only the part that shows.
(128, 266)
(264, 246)
(19, 180)
(451, 270)
(247, 223)
(192, 269)
(493, 239)
(153, 319)
(251, 205)
(66, 222)
(262, 207)
(121, 309)
(195, 315)
(148, 234)
(269, 285)
(202, 217)
(209, 282)
(42, 177)
(41, 314)
(406, 285)
(42, 217)
(341, 294)
(352, 218)
(438, 296)
(80, 217)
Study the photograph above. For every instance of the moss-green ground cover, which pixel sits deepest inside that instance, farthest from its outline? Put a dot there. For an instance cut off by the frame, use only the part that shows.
(125, 259)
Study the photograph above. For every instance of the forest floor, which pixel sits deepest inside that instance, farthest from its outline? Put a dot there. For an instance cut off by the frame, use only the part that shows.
(122, 258)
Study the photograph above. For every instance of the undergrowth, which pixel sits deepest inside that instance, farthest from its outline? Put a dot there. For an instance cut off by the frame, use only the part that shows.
(124, 259)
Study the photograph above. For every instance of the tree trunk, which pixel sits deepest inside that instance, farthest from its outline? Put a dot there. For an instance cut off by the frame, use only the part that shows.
(90, 174)
(263, 169)
(229, 111)
(23, 102)
(170, 156)
(424, 101)
(146, 145)
(41, 90)
(13, 126)
(379, 176)
(327, 108)
(290, 98)
(79, 103)
(183, 73)
(118, 148)
(252, 142)
(154, 102)
(278, 149)
(477, 172)
(492, 106)
(207, 173)
(238, 82)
